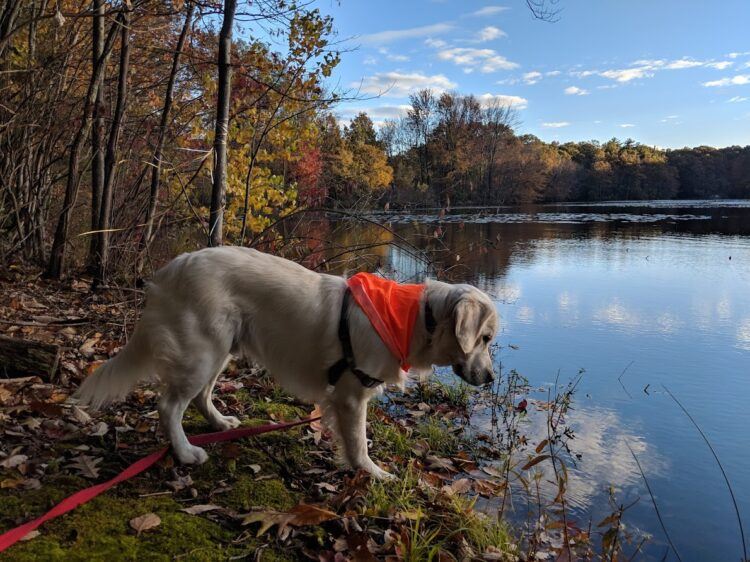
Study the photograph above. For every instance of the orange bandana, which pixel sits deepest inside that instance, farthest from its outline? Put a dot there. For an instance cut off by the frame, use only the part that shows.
(392, 309)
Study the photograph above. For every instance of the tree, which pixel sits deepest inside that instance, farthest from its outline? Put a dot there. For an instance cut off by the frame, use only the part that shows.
(157, 159)
(57, 254)
(223, 99)
(110, 158)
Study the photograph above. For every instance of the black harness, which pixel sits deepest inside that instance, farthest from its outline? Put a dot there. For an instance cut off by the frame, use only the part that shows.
(347, 362)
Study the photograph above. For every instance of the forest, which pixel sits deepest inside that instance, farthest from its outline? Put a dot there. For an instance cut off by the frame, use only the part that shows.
(121, 122)
(462, 150)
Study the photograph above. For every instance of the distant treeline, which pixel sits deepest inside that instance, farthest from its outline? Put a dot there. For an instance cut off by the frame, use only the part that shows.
(457, 150)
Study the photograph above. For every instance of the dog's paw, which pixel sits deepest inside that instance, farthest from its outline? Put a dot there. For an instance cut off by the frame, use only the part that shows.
(226, 422)
(380, 474)
(192, 455)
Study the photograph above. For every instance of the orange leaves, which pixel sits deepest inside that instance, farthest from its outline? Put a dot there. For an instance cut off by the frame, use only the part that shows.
(299, 516)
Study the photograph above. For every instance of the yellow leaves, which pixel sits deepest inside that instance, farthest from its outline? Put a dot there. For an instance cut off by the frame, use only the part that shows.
(299, 516)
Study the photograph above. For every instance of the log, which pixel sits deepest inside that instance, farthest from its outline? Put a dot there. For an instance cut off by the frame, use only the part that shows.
(26, 357)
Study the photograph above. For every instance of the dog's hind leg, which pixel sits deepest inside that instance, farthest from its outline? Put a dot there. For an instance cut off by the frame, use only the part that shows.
(205, 405)
(175, 399)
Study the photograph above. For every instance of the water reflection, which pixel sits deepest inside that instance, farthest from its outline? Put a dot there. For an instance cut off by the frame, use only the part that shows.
(602, 439)
(637, 286)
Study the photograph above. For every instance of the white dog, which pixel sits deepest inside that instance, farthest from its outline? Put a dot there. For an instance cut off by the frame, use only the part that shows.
(208, 305)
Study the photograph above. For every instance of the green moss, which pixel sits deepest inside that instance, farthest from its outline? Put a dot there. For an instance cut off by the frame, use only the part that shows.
(248, 493)
(275, 410)
(100, 530)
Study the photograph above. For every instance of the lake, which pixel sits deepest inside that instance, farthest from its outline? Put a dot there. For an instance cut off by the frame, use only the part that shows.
(640, 295)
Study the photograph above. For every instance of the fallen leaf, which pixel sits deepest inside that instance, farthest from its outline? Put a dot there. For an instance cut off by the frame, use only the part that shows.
(30, 535)
(145, 522)
(99, 430)
(11, 483)
(13, 461)
(47, 408)
(81, 416)
(87, 466)
(180, 483)
(326, 486)
(439, 463)
(299, 516)
(460, 486)
(202, 508)
(535, 461)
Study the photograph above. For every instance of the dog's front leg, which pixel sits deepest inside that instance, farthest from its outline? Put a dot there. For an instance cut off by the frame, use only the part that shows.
(351, 424)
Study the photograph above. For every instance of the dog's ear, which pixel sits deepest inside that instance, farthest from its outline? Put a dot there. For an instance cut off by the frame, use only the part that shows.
(468, 317)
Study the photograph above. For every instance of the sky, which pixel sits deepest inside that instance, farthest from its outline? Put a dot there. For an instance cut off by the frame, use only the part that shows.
(666, 73)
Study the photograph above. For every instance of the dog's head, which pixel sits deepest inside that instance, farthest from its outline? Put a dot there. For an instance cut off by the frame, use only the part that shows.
(468, 323)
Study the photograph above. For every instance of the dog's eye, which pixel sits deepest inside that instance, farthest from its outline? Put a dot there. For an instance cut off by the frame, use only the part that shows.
(486, 339)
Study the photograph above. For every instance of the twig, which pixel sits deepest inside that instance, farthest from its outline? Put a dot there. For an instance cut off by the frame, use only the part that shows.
(625, 370)
(619, 379)
(723, 472)
(653, 500)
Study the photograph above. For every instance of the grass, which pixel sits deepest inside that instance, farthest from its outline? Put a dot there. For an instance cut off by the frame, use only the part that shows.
(429, 520)
(436, 518)
(456, 396)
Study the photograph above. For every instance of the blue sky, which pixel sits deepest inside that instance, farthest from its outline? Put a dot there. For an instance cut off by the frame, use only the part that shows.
(663, 72)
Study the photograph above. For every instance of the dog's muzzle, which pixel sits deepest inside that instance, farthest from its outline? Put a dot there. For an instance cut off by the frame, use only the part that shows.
(473, 378)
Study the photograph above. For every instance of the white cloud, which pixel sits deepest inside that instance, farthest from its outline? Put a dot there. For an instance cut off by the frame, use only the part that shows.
(532, 77)
(683, 63)
(397, 34)
(736, 99)
(380, 112)
(553, 73)
(576, 91)
(486, 60)
(401, 84)
(489, 33)
(488, 11)
(740, 54)
(720, 65)
(555, 124)
(517, 102)
(435, 43)
(583, 73)
(738, 80)
(628, 74)
(646, 68)
(391, 56)
(627, 125)
(370, 60)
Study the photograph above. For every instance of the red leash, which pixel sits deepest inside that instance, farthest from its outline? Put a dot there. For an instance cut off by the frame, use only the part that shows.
(11, 537)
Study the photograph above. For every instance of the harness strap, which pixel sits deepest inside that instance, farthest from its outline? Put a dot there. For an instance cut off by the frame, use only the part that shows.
(430, 323)
(347, 361)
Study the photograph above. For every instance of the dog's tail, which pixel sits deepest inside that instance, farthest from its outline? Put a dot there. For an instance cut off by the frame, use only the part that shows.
(115, 378)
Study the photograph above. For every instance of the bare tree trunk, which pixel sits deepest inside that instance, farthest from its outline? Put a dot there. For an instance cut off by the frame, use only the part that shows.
(59, 243)
(8, 15)
(156, 160)
(219, 190)
(110, 160)
(97, 132)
